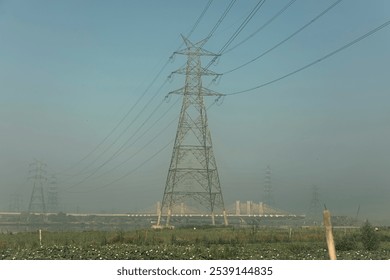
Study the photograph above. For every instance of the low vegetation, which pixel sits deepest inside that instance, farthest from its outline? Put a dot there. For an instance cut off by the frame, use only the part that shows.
(198, 243)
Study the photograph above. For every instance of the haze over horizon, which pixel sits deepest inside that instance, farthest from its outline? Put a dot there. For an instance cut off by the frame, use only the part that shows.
(77, 84)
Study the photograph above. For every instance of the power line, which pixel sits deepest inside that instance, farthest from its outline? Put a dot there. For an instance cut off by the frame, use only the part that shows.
(131, 171)
(118, 137)
(220, 20)
(318, 60)
(147, 144)
(140, 136)
(117, 125)
(286, 39)
(199, 18)
(252, 13)
(142, 163)
(243, 25)
(263, 26)
(120, 149)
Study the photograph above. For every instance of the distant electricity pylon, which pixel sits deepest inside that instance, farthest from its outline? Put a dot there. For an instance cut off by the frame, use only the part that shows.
(193, 175)
(37, 200)
(315, 209)
(52, 195)
(268, 193)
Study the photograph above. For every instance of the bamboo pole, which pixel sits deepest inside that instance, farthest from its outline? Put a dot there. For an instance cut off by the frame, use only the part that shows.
(329, 235)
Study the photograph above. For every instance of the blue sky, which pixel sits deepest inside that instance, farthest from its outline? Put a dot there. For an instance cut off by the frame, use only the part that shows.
(70, 71)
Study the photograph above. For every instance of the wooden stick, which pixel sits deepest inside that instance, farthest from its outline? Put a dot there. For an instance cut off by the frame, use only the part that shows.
(329, 235)
(40, 237)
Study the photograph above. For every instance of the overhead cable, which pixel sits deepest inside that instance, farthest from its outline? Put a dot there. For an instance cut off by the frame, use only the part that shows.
(200, 18)
(243, 25)
(238, 31)
(222, 17)
(286, 39)
(140, 165)
(316, 61)
(148, 143)
(263, 26)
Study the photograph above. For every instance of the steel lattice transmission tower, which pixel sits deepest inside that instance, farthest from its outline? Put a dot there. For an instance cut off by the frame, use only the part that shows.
(315, 211)
(52, 195)
(37, 200)
(268, 193)
(193, 175)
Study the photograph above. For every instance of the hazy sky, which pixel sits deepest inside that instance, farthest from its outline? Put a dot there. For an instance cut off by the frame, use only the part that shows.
(70, 71)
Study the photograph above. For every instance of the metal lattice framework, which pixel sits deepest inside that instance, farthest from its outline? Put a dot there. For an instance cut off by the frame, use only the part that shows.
(268, 195)
(52, 195)
(193, 175)
(37, 200)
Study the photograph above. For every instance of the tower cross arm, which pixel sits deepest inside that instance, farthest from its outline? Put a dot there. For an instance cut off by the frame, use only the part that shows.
(195, 48)
(195, 51)
(209, 92)
(203, 72)
(204, 92)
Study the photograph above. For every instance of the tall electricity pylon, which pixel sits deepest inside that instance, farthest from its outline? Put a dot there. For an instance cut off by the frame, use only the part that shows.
(315, 211)
(52, 195)
(268, 195)
(193, 175)
(37, 200)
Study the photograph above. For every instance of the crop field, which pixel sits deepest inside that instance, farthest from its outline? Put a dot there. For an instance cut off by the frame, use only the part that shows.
(194, 243)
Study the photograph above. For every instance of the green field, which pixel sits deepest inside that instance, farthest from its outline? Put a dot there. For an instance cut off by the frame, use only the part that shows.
(190, 243)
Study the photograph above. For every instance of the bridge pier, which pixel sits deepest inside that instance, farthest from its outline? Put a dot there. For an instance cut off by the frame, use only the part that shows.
(238, 209)
(248, 207)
